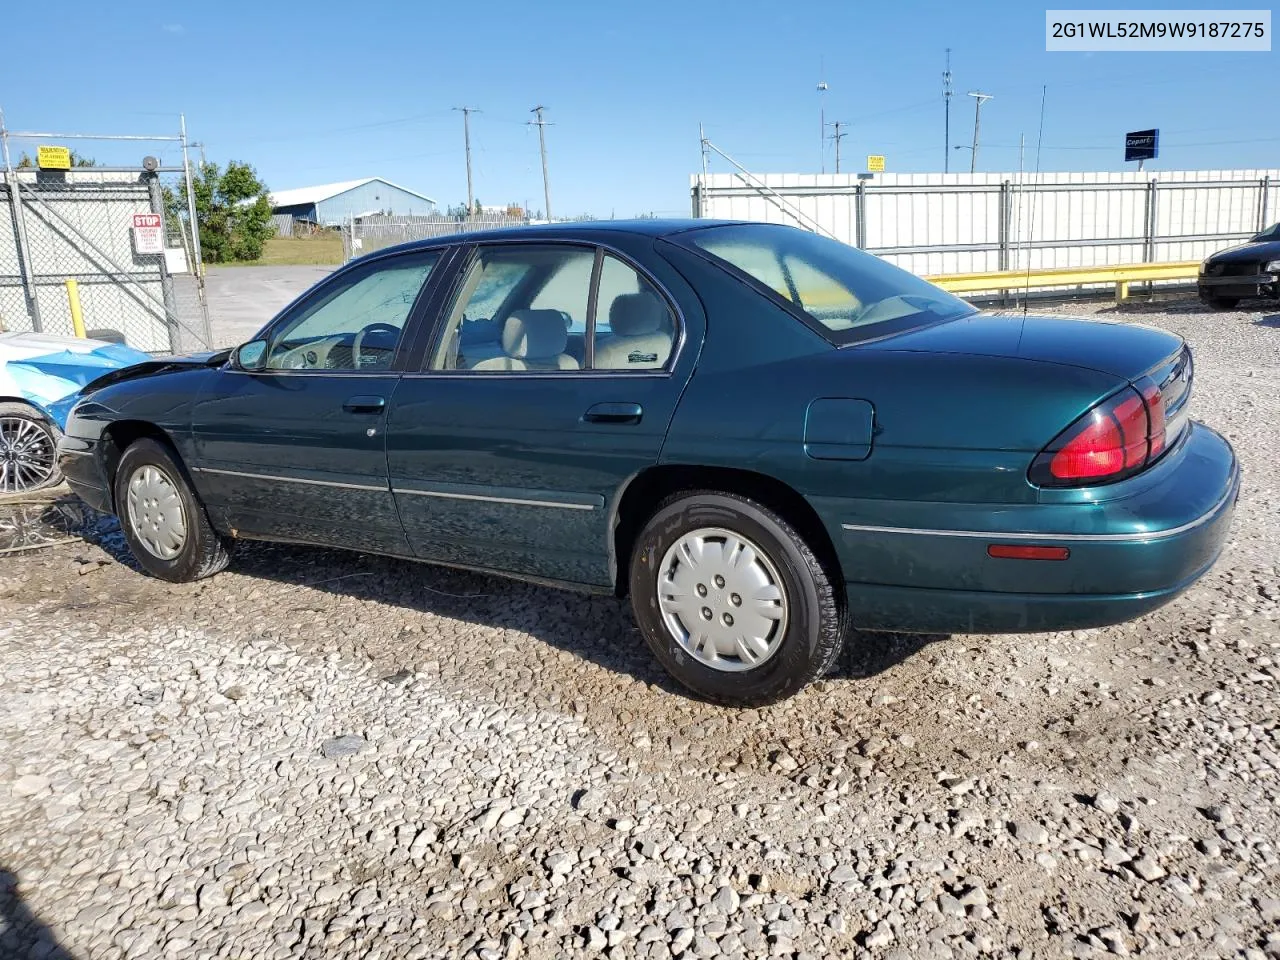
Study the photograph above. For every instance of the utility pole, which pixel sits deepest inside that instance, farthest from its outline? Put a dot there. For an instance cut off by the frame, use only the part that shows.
(466, 138)
(979, 99)
(542, 145)
(822, 120)
(837, 137)
(946, 97)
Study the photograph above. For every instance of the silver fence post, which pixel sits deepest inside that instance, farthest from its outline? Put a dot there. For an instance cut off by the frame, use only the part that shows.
(1148, 240)
(197, 255)
(860, 216)
(1006, 217)
(166, 278)
(1002, 234)
(25, 267)
(1265, 184)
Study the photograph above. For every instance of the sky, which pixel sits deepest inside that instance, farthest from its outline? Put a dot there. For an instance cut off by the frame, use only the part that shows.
(321, 91)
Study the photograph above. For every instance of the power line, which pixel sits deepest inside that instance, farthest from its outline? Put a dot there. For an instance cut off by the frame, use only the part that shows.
(979, 98)
(466, 138)
(837, 137)
(946, 96)
(541, 124)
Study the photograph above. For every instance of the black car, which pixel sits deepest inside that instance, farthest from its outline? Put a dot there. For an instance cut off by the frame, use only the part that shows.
(1249, 270)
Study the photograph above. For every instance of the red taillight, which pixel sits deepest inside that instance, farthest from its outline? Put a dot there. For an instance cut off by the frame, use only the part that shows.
(1115, 439)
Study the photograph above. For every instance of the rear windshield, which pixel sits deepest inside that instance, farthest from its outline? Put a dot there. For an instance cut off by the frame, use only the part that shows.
(846, 294)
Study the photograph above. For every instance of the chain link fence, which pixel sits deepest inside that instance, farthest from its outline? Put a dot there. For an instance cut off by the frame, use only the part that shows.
(367, 234)
(111, 244)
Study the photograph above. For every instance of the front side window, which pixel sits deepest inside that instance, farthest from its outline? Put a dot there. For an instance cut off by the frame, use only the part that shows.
(358, 323)
(848, 294)
(521, 308)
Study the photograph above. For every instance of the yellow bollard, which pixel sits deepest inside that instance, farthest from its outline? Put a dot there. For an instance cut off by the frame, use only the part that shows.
(73, 300)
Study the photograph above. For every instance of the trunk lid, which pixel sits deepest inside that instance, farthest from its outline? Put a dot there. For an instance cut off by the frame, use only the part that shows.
(1122, 350)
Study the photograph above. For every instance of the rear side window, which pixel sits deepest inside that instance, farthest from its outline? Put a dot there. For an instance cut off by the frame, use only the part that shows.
(846, 294)
(635, 329)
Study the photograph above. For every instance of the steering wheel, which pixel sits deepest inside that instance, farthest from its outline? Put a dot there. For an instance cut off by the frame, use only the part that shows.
(372, 328)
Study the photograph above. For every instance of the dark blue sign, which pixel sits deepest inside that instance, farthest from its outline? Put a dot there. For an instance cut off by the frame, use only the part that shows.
(1142, 145)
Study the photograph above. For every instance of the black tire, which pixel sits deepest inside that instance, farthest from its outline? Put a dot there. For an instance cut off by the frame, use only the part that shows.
(203, 552)
(1223, 303)
(815, 626)
(38, 438)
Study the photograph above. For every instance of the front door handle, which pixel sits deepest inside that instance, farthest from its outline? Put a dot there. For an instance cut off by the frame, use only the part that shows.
(365, 405)
(614, 412)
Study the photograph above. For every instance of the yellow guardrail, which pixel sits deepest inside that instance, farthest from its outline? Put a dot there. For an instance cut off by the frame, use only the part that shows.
(1121, 275)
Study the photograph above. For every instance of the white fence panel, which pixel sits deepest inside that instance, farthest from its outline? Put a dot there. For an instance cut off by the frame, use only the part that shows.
(933, 223)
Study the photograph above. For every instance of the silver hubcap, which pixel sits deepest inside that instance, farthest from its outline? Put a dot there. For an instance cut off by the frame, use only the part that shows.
(722, 599)
(26, 454)
(155, 512)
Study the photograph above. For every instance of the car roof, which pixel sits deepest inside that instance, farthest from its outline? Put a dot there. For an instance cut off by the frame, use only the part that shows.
(574, 230)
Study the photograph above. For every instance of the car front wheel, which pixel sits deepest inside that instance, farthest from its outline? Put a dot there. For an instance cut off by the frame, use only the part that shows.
(732, 600)
(164, 524)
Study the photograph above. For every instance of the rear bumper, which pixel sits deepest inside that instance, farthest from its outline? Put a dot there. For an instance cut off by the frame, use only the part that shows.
(1154, 537)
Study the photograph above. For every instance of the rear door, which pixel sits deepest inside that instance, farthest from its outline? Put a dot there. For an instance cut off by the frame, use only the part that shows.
(297, 450)
(508, 450)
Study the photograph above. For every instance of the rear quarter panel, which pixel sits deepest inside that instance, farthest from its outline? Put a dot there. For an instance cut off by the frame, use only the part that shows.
(947, 428)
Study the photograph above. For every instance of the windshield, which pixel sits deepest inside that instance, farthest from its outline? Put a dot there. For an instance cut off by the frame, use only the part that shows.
(848, 294)
(1271, 233)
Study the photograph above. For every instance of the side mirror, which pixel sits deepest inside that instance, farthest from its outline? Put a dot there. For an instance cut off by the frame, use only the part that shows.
(250, 356)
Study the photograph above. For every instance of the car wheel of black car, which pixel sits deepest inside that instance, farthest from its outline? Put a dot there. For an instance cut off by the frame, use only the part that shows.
(732, 601)
(28, 450)
(1223, 303)
(164, 524)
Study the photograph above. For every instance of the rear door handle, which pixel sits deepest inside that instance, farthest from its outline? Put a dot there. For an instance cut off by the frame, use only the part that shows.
(365, 405)
(614, 412)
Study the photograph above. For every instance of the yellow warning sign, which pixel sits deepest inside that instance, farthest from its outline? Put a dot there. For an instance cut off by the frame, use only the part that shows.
(875, 163)
(53, 158)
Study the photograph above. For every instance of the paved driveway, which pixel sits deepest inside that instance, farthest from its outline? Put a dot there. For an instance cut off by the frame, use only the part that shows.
(242, 299)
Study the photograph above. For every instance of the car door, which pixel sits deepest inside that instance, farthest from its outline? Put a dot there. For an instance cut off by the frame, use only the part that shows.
(508, 450)
(293, 447)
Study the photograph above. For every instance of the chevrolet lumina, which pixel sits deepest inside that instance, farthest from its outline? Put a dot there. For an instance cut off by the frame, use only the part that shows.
(762, 436)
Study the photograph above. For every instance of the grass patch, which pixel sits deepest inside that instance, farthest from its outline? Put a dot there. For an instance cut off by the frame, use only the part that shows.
(321, 250)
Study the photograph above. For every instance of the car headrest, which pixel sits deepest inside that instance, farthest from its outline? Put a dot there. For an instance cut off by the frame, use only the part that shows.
(636, 314)
(534, 335)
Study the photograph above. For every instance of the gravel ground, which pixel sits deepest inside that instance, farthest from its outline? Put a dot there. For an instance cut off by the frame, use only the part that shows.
(316, 754)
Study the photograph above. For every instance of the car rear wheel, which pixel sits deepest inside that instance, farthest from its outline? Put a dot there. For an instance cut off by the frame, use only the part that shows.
(28, 450)
(732, 600)
(163, 522)
(1223, 303)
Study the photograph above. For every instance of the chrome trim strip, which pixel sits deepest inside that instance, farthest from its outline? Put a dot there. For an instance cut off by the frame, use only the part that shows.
(65, 452)
(313, 483)
(998, 535)
(513, 500)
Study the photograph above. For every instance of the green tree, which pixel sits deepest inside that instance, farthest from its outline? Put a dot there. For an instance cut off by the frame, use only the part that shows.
(233, 211)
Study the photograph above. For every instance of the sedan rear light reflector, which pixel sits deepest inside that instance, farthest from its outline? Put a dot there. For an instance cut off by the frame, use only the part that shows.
(1011, 551)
